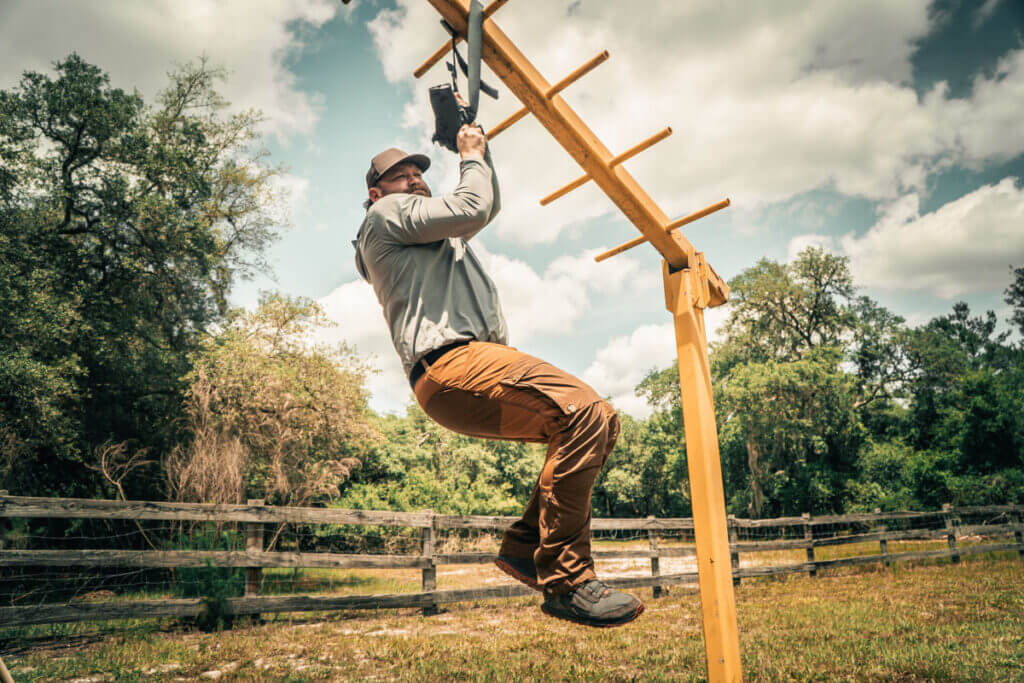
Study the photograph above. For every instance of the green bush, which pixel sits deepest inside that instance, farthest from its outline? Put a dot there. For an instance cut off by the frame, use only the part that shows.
(214, 585)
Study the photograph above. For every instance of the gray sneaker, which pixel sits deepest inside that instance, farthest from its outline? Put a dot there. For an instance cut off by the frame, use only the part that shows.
(594, 604)
(520, 569)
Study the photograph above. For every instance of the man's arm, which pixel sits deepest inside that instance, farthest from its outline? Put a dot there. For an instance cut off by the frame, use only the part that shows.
(495, 193)
(412, 219)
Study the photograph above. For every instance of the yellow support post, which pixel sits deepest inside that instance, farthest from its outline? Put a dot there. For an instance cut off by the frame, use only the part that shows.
(685, 301)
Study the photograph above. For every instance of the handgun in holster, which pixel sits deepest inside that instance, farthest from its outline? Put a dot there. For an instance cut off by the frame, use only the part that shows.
(449, 116)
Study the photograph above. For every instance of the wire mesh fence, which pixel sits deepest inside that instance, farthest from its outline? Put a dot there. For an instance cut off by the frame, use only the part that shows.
(64, 560)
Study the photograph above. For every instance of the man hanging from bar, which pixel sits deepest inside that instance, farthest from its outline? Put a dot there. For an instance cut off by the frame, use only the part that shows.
(447, 326)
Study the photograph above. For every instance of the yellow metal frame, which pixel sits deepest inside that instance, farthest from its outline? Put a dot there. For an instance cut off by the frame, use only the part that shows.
(691, 285)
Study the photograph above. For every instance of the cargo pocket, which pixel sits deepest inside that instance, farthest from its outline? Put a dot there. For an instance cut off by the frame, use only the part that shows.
(565, 391)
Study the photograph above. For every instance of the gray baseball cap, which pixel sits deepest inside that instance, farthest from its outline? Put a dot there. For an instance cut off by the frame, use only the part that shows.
(384, 161)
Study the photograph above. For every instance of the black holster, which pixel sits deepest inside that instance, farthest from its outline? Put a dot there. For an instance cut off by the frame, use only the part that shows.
(449, 116)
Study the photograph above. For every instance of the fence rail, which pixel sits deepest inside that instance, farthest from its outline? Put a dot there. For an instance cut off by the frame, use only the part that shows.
(807, 535)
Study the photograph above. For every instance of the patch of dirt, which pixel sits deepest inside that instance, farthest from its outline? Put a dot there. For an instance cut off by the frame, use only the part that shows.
(162, 668)
(388, 632)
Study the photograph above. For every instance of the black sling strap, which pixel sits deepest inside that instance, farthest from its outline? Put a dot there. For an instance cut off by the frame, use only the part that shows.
(449, 116)
(471, 67)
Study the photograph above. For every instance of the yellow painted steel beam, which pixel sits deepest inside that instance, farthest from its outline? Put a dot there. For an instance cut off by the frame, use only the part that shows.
(625, 246)
(555, 89)
(577, 74)
(523, 79)
(507, 123)
(683, 298)
(443, 50)
(615, 161)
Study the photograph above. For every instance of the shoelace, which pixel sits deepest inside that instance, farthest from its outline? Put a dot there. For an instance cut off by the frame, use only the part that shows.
(600, 589)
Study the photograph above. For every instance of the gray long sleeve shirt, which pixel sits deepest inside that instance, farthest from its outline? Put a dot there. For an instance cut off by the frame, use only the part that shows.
(414, 251)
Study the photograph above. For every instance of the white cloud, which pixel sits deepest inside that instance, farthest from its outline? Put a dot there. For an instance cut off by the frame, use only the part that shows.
(137, 43)
(359, 321)
(291, 192)
(768, 101)
(406, 36)
(801, 242)
(988, 125)
(622, 363)
(963, 247)
(984, 13)
(549, 303)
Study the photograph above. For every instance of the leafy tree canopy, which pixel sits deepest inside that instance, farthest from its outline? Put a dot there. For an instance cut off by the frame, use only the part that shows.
(122, 228)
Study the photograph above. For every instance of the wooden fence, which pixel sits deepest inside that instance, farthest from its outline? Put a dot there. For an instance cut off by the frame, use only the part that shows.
(791, 533)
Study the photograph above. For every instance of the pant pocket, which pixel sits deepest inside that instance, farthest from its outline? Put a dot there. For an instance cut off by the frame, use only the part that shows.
(565, 391)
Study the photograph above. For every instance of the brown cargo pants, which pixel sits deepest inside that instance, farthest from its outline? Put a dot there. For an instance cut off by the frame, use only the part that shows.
(496, 392)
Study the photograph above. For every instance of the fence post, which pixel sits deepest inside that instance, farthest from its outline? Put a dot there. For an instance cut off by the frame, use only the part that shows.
(734, 555)
(254, 544)
(652, 540)
(1018, 534)
(951, 536)
(809, 536)
(3, 492)
(883, 544)
(429, 572)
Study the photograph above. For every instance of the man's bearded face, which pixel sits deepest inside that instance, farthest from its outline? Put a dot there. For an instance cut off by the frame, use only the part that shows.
(406, 178)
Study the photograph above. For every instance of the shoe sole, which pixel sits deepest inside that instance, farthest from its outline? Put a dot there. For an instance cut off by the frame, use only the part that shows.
(596, 624)
(518, 576)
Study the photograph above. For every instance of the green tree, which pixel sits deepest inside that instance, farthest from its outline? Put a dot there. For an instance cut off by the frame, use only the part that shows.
(804, 365)
(122, 229)
(646, 472)
(799, 428)
(941, 354)
(825, 400)
(419, 464)
(271, 414)
(779, 312)
(787, 408)
(1014, 296)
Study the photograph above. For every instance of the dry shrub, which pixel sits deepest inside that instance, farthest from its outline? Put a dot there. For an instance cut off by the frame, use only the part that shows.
(116, 462)
(213, 471)
(471, 543)
(211, 468)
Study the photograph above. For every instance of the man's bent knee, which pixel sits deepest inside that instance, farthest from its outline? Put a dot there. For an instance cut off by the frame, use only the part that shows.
(597, 423)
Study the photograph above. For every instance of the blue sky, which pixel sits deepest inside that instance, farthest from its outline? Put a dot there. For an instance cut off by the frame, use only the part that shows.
(885, 131)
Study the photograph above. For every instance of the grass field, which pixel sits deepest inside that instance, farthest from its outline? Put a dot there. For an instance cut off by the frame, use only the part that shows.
(906, 622)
